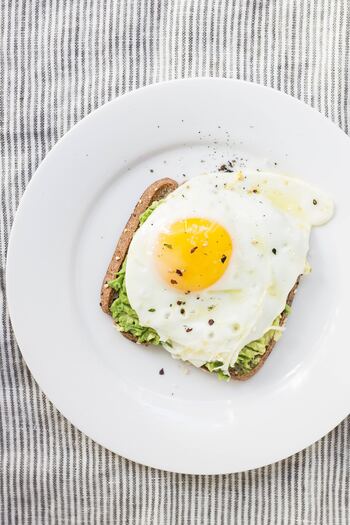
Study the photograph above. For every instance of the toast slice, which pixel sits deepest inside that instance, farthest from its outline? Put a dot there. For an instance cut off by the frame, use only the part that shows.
(156, 191)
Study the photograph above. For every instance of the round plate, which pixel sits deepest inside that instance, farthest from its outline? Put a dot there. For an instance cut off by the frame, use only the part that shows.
(65, 231)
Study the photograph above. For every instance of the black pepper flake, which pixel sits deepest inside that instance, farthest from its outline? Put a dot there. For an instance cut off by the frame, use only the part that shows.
(173, 281)
(314, 202)
(187, 292)
(182, 311)
(229, 166)
(194, 249)
(189, 330)
(211, 322)
(168, 245)
(179, 303)
(161, 372)
(223, 259)
(274, 251)
(179, 272)
(152, 171)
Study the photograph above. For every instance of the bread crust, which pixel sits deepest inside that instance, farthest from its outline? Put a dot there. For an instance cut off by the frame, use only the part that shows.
(156, 191)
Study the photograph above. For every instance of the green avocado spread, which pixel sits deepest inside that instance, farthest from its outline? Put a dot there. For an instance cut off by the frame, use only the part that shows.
(125, 317)
(127, 321)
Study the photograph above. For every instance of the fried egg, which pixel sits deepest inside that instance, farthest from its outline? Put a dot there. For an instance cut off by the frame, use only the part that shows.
(211, 268)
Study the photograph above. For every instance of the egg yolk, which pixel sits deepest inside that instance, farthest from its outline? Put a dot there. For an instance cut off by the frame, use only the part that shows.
(193, 254)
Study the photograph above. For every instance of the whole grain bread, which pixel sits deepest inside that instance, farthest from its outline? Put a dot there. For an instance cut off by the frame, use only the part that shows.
(156, 191)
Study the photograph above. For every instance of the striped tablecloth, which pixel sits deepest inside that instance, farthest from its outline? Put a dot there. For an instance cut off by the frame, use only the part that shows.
(61, 59)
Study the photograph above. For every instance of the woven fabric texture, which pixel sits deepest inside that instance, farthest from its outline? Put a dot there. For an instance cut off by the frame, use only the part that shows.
(61, 59)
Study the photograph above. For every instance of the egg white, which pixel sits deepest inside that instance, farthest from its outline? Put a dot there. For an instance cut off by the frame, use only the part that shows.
(269, 218)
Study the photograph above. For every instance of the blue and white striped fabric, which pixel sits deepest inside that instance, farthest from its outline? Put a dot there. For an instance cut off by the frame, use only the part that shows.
(61, 59)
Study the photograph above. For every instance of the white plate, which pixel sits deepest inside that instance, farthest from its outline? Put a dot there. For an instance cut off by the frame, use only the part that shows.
(65, 231)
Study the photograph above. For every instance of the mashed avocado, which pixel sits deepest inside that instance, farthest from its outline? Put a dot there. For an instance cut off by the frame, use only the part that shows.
(144, 216)
(125, 317)
(127, 321)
